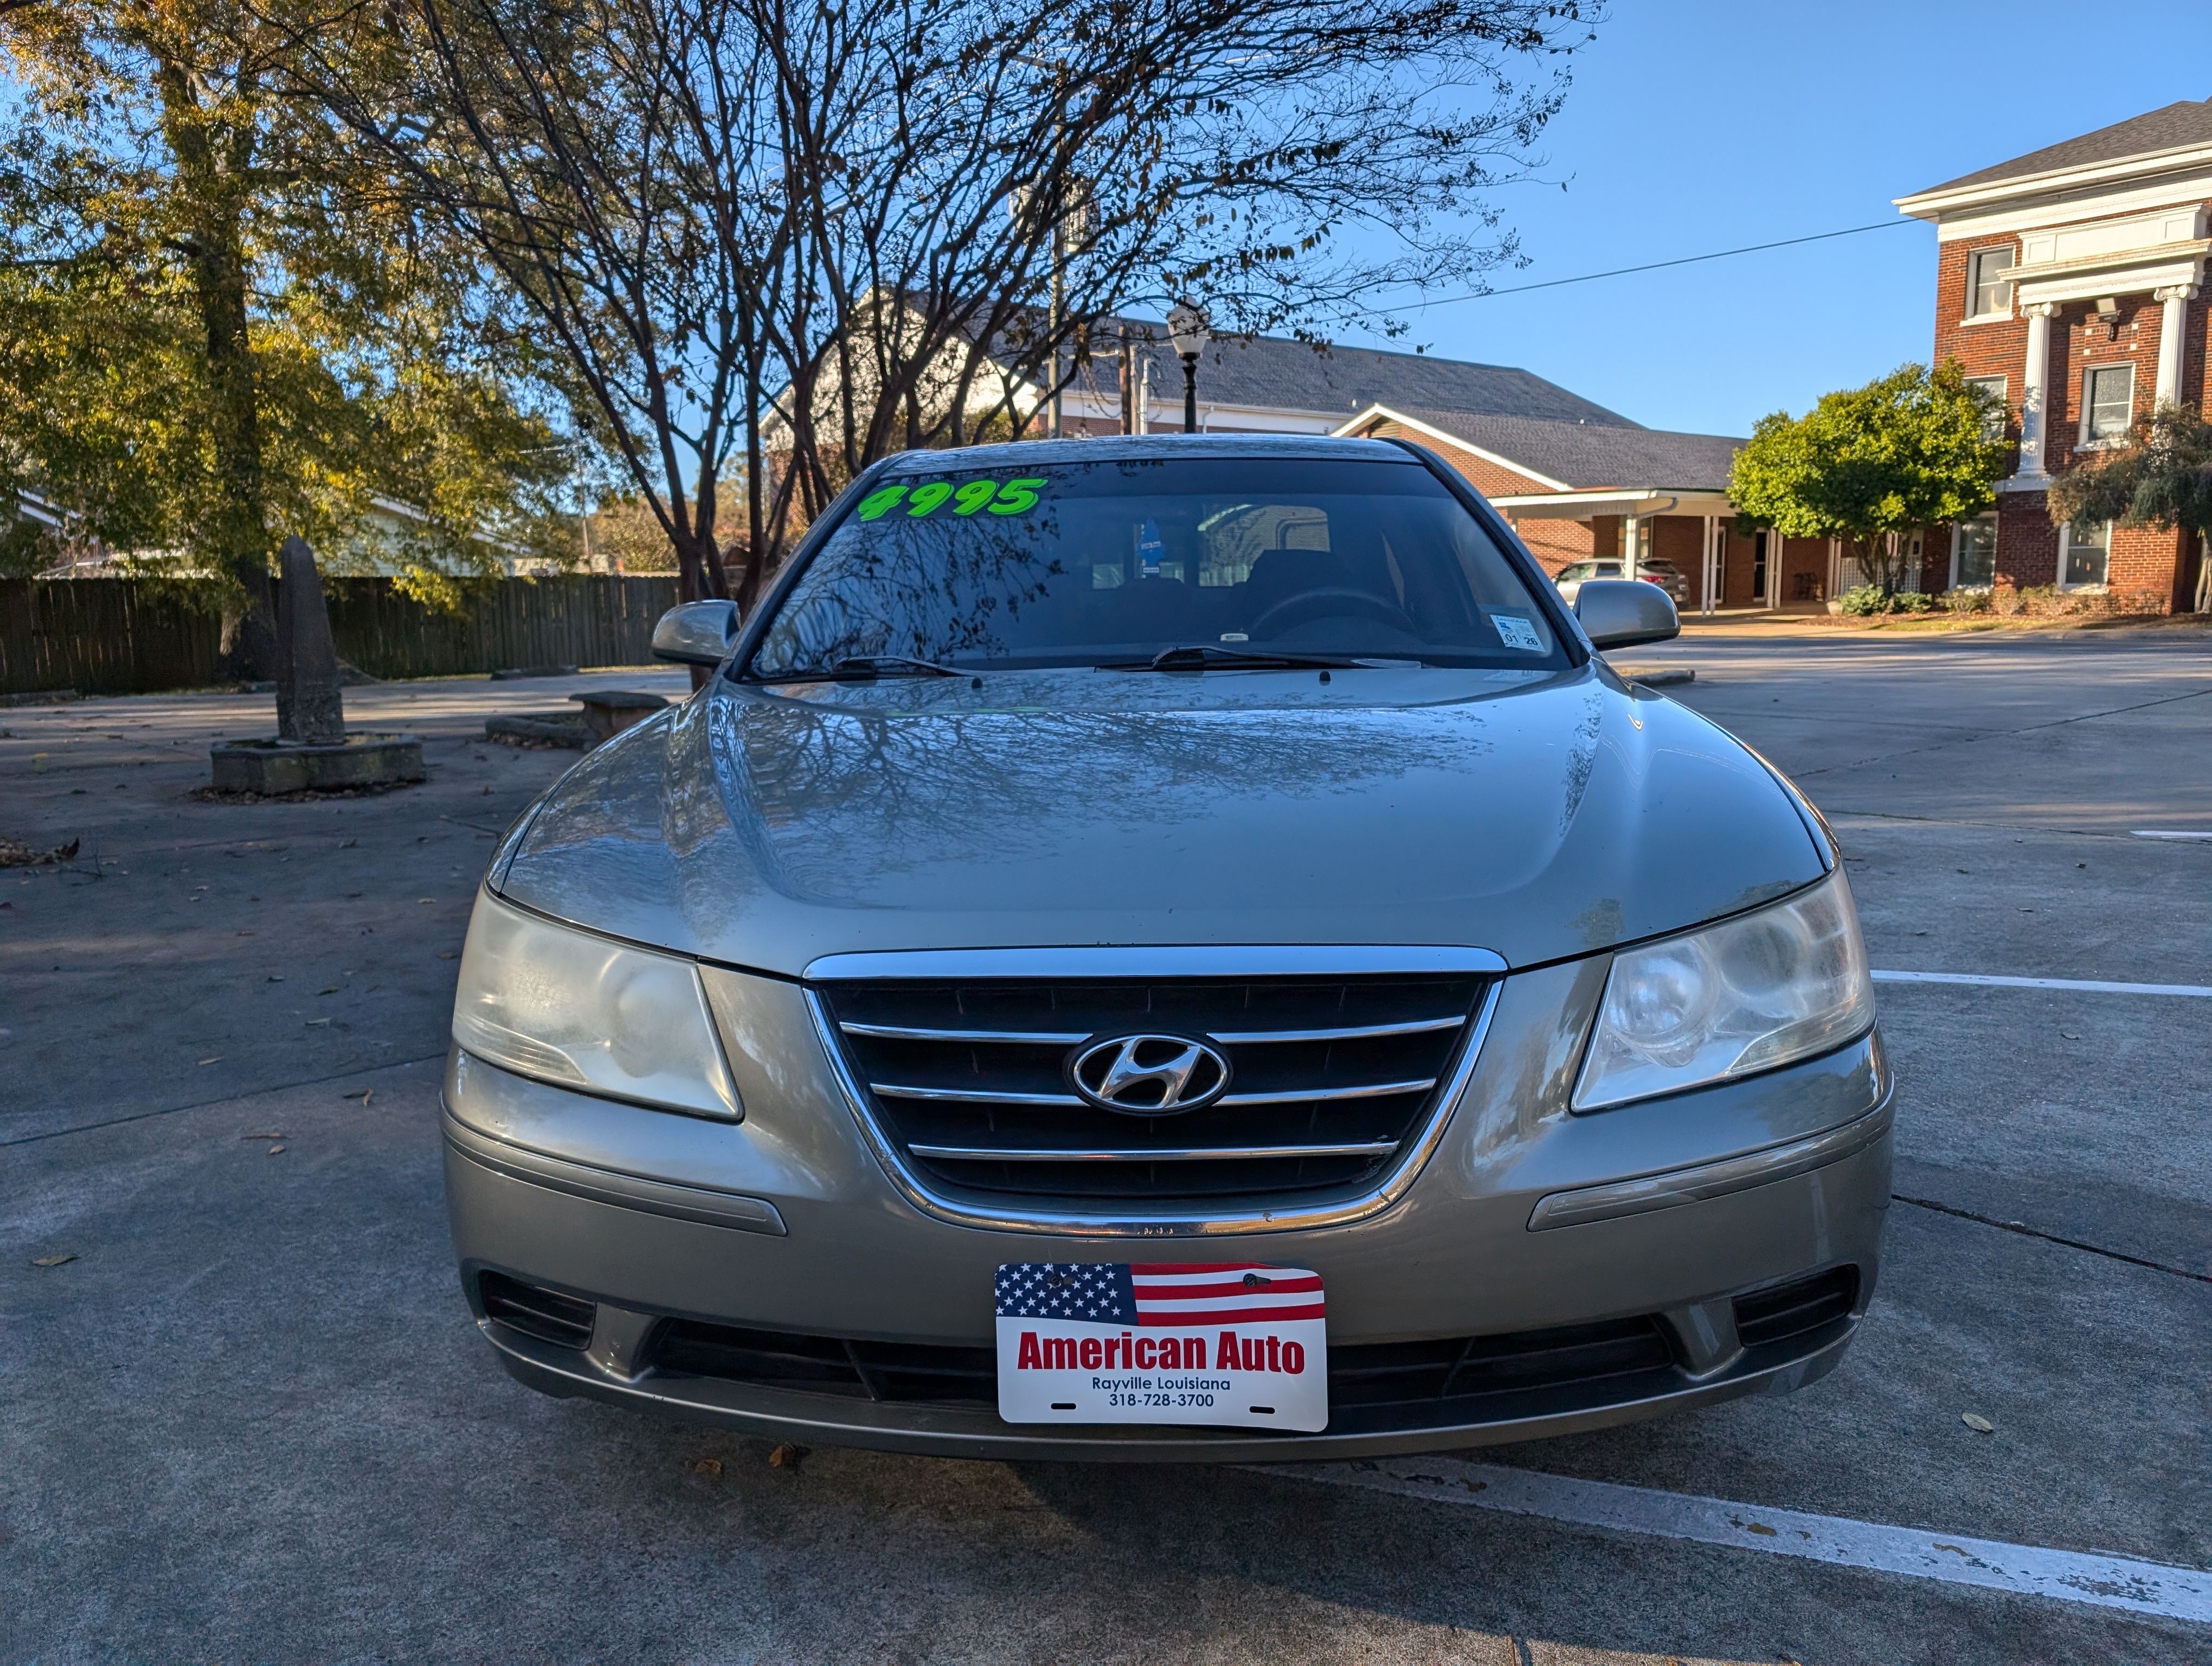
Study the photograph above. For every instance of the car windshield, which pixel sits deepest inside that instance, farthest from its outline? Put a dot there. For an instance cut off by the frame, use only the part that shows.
(1123, 561)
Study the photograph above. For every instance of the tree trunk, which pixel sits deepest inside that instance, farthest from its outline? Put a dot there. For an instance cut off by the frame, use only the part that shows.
(212, 159)
(1875, 564)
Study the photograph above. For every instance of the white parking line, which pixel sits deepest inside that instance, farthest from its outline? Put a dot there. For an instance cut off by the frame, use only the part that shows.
(2158, 833)
(2112, 1582)
(2087, 986)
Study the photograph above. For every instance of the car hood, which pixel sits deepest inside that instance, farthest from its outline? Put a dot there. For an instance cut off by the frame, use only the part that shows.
(1538, 816)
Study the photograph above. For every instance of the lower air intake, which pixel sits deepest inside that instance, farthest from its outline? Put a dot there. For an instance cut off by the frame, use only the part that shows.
(1794, 1308)
(904, 1371)
(1460, 1367)
(536, 1311)
(1368, 1376)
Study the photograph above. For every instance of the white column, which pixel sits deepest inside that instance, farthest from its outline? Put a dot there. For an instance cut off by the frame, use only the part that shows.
(1712, 566)
(1630, 526)
(2033, 388)
(2173, 327)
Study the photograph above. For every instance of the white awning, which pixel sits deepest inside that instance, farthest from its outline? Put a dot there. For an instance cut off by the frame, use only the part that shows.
(1612, 501)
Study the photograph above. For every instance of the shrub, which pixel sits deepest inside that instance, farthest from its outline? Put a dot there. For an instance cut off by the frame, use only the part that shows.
(1966, 601)
(1864, 599)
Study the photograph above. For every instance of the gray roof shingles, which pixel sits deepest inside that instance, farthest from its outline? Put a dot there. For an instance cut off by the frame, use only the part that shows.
(2171, 129)
(1589, 456)
(1276, 373)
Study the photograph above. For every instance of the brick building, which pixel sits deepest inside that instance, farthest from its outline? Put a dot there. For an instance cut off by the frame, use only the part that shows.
(2069, 282)
(1579, 490)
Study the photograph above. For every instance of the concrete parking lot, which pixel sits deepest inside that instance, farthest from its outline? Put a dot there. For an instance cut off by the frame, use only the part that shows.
(248, 1418)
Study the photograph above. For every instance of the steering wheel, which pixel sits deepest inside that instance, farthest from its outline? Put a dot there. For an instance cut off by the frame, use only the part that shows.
(1329, 603)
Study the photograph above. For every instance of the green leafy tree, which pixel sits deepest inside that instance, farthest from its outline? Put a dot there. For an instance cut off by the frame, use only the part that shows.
(1915, 448)
(216, 329)
(2162, 477)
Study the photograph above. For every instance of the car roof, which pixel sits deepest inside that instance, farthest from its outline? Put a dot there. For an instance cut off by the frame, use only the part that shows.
(1118, 448)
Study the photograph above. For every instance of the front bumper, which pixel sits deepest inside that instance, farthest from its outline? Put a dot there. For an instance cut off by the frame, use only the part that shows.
(1523, 1220)
(969, 1433)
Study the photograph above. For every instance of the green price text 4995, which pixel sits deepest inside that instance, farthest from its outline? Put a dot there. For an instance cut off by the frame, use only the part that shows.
(1012, 498)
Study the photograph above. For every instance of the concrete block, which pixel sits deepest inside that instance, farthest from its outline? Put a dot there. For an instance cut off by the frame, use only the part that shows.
(270, 767)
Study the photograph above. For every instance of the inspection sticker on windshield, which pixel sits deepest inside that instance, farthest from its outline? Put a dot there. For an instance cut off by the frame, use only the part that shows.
(1235, 1342)
(1514, 631)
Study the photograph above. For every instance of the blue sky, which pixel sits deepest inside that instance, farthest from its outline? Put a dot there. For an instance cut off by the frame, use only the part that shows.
(1702, 124)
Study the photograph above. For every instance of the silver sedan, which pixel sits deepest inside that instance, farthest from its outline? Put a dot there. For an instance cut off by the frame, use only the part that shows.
(1167, 948)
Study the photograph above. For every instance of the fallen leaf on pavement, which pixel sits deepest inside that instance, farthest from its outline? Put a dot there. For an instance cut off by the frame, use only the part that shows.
(14, 854)
(707, 1466)
(273, 1150)
(217, 1059)
(312, 1023)
(786, 1456)
(53, 1260)
(265, 1136)
(331, 990)
(1978, 1423)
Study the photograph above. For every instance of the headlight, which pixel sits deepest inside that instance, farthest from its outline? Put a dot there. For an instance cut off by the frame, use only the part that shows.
(1748, 994)
(543, 1001)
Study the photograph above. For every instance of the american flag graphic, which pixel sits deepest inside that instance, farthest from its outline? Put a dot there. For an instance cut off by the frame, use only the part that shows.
(1159, 1294)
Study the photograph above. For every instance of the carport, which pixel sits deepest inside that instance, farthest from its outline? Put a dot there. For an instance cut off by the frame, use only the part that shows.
(1686, 526)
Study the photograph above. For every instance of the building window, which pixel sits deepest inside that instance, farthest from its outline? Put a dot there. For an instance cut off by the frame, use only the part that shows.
(1974, 553)
(1996, 411)
(2084, 559)
(1988, 284)
(2108, 403)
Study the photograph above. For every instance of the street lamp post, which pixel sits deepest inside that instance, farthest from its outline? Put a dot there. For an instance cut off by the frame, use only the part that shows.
(1187, 330)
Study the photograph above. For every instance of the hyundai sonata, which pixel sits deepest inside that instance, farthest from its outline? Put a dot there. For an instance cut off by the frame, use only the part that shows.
(1167, 948)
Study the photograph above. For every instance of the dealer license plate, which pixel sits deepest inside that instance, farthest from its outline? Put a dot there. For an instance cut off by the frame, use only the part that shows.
(1241, 1343)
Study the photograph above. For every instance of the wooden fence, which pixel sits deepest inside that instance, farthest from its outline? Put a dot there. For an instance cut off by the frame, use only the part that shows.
(126, 636)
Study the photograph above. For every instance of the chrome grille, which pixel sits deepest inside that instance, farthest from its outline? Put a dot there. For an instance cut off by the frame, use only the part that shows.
(1332, 1079)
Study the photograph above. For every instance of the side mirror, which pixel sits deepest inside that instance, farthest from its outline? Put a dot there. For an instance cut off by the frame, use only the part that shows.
(696, 634)
(1624, 613)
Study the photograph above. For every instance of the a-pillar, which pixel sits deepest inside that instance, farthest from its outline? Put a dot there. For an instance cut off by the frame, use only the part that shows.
(2172, 332)
(2034, 388)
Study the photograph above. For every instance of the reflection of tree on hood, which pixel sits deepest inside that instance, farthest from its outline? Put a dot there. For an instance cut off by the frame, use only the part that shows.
(912, 780)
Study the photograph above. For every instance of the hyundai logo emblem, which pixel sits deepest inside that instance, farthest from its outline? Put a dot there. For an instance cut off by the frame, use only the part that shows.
(1149, 1075)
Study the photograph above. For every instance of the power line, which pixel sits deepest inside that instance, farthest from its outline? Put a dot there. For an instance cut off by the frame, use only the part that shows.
(1653, 266)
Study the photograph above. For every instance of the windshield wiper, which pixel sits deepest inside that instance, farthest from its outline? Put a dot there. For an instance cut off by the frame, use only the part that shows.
(1202, 656)
(865, 667)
